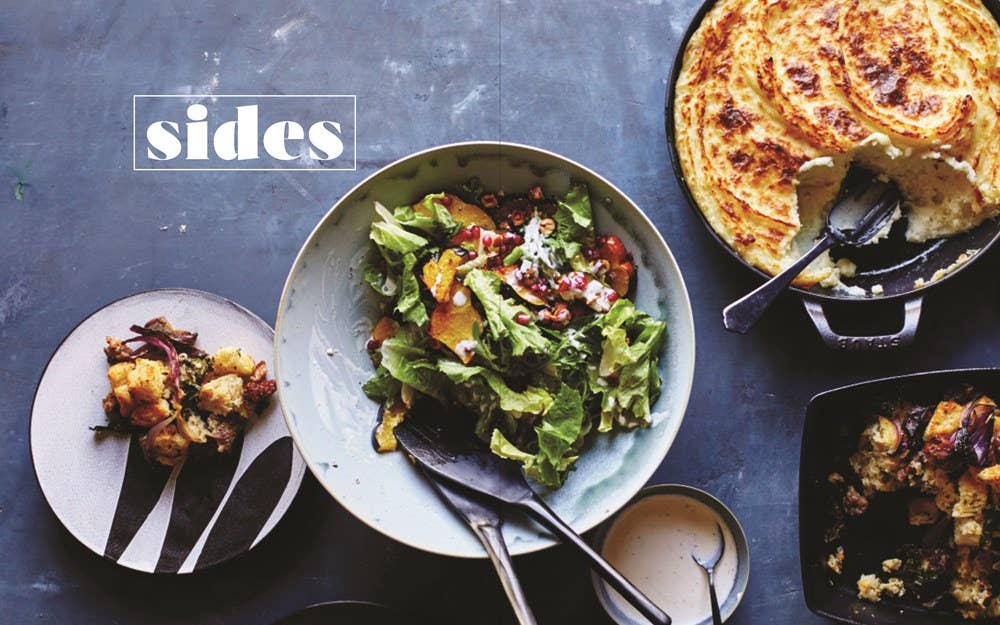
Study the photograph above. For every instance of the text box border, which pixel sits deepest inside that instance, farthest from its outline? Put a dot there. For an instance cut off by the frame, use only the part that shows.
(354, 98)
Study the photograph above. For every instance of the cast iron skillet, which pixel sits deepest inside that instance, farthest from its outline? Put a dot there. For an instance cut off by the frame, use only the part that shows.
(834, 421)
(894, 263)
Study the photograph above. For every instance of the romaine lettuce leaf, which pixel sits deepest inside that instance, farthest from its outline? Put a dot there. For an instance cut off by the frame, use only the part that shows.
(382, 281)
(574, 217)
(409, 304)
(382, 388)
(627, 378)
(506, 449)
(532, 400)
(434, 220)
(561, 425)
(408, 358)
(389, 234)
(501, 315)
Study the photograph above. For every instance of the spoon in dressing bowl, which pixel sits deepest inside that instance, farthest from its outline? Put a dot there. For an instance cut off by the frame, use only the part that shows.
(709, 564)
(865, 208)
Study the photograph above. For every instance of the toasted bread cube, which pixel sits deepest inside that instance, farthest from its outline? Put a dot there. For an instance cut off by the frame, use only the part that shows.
(222, 395)
(147, 381)
(968, 531)
(991, 476)
(193, 428)
(167, 446)
(894, 587)
(946, 420)
(923, 511)
(125, 402)
(870, 588)
(883, 435)
(151, 413)
(973, 495)
(232, 360)
(118, 373)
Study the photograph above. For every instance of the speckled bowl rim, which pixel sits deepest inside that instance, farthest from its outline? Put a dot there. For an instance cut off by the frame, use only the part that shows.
(682, 298)
(739, 537)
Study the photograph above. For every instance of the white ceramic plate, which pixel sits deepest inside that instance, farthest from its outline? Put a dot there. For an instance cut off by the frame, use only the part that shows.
(325, 318)
(149, 518)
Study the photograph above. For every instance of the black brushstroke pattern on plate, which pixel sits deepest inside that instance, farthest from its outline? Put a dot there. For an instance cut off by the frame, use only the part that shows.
(250, 505)
(198, 492)
(141, 488)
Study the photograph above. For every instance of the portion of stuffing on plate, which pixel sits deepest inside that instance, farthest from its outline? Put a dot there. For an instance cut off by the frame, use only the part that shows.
(514, 309)
(182, 400)
(943, 463)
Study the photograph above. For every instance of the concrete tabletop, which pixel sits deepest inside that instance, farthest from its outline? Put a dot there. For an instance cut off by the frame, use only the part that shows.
(585, 79)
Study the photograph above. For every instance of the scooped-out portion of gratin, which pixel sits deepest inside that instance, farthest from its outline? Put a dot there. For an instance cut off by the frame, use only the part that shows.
(776, 99)
(940, 465)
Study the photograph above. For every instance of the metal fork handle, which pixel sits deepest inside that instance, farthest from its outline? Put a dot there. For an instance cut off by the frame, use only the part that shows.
(744, 313)
(492, 539)
(541, 512)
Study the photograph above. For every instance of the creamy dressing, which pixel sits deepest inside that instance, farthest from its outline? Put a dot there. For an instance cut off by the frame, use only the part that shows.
(651, 544)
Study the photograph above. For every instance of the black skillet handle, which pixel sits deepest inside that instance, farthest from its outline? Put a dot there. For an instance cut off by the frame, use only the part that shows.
(544, 515)
(911, 319)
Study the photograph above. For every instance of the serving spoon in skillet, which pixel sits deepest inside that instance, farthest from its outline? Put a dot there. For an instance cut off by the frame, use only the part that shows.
(466, 463)
(865, 207)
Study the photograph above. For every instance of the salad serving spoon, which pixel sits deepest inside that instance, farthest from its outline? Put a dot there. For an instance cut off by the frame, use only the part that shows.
(866, 206)
(709, 564)
(464, 462)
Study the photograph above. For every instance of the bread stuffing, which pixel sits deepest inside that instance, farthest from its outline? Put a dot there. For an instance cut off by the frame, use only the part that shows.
(178, 399)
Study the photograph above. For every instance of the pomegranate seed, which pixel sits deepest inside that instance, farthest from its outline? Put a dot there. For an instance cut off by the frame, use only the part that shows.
(522, 318)
(474, 231)
(563, 285)
(539, 288)
(563, 315)
(472, 255)
(613, 297)
(372, 345)
(487, 240)
(446, 201)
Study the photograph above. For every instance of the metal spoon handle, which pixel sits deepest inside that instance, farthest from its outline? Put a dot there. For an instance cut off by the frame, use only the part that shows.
(744, 313)
(716, 613)
(496, 548)
(541, 512)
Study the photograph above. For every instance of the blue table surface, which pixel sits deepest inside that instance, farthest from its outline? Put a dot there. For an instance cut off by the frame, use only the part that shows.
(585, 79)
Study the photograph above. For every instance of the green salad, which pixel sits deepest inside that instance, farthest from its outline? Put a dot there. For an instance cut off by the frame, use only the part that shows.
(514, 309)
